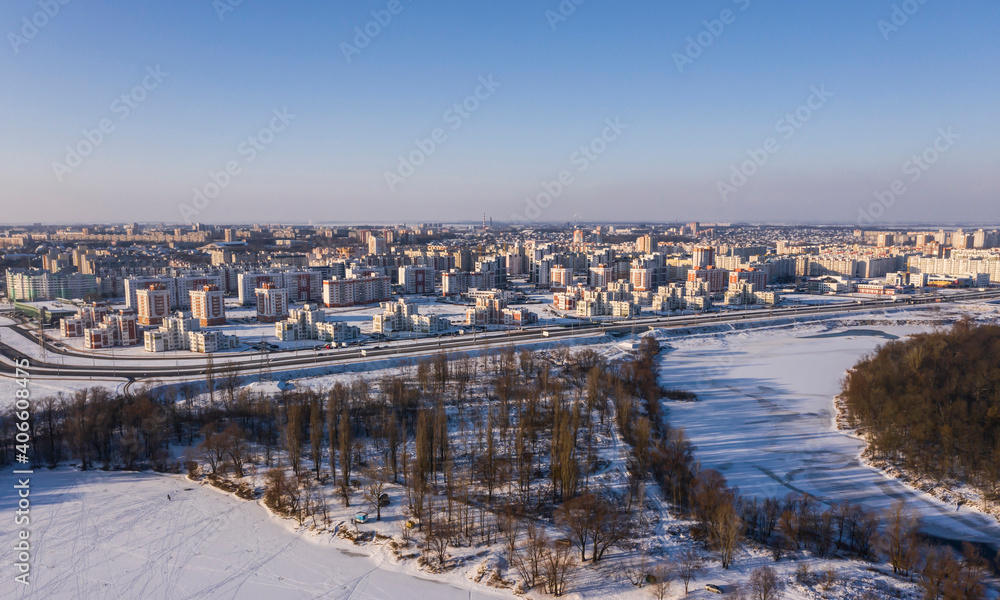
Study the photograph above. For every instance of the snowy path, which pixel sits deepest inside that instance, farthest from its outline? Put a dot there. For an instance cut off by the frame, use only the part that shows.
(116, 536)
(765, 421)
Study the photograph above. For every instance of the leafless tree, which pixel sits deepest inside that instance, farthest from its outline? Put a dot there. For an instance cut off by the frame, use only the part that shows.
(212, 449)
(636, 569)
(377, 480)
(230, 377)
(436, 543)
(233, 442)
(558, 563)
(316, 434)
(210, 378)
(529, 559)
(899, 534)
(728, 528)
(764, 584)
(579, 517)
(663, 576)
(346, 440)
(688, 567)
(293, 436)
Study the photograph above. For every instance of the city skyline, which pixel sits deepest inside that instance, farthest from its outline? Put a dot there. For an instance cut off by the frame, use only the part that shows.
(295, 108)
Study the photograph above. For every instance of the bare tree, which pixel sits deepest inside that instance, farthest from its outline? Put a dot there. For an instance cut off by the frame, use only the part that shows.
(592, 519)
(210, 378)
(377, 480)
(336, 399)
(689, 566)
(436, 543)
(316, 434)
(636, 570)
(529, 559)
(899, 535)
(728, 529)
(212, 449)
(346, 458)
(764, 584)
(510, 527)
(230, 377)
(233, 442)
(613, 526)
(558, 563)
(579, 517)
(293, 436)
(663, 576)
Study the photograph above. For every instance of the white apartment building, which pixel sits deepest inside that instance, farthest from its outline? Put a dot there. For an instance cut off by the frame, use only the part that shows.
(459, 282)
(206, 342)
(302, 286)
(743, 293)
(208, 305)
(416, 279)
(309, 323)
(300, 324)
(43, 285)
(337, 331)
(361, 290)
(272, 303)
(172, 334)
(405, 316)
(153, 304)
(601, 276)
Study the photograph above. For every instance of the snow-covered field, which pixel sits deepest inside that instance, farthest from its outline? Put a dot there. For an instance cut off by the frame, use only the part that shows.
(766, 419)
(115, 535)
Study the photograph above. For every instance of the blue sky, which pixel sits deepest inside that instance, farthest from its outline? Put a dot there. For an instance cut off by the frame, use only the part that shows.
(559, 81)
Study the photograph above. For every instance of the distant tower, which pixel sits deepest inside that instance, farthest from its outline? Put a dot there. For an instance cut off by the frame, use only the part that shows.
(484, 221)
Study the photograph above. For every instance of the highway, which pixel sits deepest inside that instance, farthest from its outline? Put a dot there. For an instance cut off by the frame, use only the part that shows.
(139, 367)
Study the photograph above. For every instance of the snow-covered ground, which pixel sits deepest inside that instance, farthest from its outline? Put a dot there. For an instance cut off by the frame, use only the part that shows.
(115, 535)
(766, 419)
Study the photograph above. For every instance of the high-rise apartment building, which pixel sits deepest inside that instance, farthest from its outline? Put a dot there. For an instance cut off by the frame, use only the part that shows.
(272, 303)
(208, 306)
(416, 279)
(703, 256)
(153, 304)
(376, 245)
(644, 244)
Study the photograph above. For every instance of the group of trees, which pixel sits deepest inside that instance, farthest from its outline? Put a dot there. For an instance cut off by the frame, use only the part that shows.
(799, 522)
(96, 428)
(932, 404)
(505, 447)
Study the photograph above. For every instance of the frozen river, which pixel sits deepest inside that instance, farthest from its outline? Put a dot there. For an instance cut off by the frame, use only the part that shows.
(115, 535)
(765, 420)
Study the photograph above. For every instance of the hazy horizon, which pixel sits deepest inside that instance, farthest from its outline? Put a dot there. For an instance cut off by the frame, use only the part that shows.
(296, 114)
